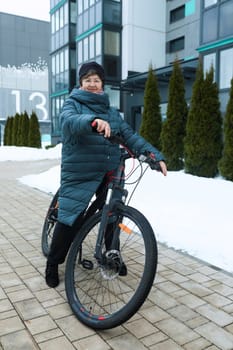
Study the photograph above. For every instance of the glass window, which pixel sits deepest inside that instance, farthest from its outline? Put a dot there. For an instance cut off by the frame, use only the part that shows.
(53, 43)
(80, 51)
(61, 34)
(98, 13)
(112, 12)
(92, 17)
(208, 61)
(176, 44)
(226, 19)
(61, 17)
(112, 67)
(53, 23)
(53, 65)
(85, 21)
(66, 79)
(98, 43)
(92, 45)
(226, 68)
(111, 43)
(73, 12)
(114, 96)
(56, 20)
(66, 16)
(80, 25)
(86, 4)
(210, 25)
(66, 59)
(57, 63)
(80, 6)
(66, 34)
(72, 59)
(85, 49)
(208, 3)
(177, 14)
(61, 61)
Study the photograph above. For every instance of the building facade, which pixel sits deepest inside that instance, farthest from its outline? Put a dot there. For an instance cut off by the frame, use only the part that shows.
(24, 60)
(126, 37)
(216, 43)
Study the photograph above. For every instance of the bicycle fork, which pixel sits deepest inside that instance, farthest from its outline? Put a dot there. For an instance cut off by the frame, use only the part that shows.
(106, 214)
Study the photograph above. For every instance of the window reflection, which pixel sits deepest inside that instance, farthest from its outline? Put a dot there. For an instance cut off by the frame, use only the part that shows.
(111, 43)
(226, 19)
(226, 68)
(208, 3)
(208, 61)
(210, 25)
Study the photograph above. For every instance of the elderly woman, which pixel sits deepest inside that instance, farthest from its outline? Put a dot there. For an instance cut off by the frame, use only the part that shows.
(87, 157)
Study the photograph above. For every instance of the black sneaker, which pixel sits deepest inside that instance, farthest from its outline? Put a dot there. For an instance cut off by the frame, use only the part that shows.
(51, 275)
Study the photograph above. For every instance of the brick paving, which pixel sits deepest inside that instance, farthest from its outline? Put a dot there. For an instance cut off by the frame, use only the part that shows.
(190, 305)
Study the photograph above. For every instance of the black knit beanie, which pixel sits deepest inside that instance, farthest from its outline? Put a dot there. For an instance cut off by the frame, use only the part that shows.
(92, 67)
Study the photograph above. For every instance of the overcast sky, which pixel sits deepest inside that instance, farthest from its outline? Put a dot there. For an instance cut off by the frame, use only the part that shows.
(27, 8)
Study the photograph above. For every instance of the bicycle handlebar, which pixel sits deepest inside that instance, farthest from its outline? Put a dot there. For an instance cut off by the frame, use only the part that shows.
(148, 157)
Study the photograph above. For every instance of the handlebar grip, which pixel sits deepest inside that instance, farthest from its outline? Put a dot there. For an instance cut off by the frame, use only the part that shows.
(155, 166)
(149, 158)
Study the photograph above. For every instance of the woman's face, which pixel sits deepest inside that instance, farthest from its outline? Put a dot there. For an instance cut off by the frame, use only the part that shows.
(92, 83)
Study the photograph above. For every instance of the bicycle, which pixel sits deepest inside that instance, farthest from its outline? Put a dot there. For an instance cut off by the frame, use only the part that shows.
(112, 262)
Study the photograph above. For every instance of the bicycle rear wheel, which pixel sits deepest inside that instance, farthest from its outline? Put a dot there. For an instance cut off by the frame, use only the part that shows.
(102, 298)
(49, 225)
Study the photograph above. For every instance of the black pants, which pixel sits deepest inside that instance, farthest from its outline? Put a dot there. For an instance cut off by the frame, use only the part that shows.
(63, 236)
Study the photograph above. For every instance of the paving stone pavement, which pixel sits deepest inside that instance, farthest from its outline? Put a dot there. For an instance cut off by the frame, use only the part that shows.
(189, 307)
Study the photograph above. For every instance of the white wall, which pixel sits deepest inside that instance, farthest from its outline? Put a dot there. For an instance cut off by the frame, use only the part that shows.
(143, 35)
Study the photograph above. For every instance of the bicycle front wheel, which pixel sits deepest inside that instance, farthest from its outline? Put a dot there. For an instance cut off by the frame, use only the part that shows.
(49, 225)
(101, 298)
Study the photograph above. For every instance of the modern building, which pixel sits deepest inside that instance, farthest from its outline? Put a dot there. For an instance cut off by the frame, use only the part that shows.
(127, 36)
(24, 60)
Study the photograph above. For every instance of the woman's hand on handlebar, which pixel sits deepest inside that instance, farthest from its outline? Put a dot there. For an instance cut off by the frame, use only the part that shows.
(102, 127)
(156, 165)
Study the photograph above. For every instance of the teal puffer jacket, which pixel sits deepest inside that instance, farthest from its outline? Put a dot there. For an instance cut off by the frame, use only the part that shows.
(86, 155)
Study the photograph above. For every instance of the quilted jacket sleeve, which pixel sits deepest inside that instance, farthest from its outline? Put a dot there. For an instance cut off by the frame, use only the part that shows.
(73, 122)
(136, 143)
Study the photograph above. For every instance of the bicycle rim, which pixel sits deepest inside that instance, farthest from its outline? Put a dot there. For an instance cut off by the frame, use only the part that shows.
(99, 297)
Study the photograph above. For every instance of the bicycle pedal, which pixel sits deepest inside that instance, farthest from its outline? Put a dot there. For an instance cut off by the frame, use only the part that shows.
(87, 264)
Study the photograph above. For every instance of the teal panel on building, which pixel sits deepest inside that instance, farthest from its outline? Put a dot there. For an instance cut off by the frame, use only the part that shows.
(190, 7)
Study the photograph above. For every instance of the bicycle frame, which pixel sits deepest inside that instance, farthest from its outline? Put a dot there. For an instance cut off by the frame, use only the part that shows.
(115, 185)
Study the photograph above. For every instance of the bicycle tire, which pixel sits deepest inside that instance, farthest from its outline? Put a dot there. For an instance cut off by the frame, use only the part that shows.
(49, 224)
(99, 301)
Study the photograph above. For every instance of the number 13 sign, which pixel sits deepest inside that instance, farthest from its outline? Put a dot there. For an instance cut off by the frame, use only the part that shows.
(36, 101)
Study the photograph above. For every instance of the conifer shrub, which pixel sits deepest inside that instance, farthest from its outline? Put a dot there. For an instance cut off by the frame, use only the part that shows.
(15, 130)
(173, 128)
(226, 161)
(203, 141)
(6, 132)
(34, 136)
(151, 123)
(24, 129)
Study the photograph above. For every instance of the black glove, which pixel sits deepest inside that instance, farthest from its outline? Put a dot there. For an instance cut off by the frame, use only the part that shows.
(153, 163)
